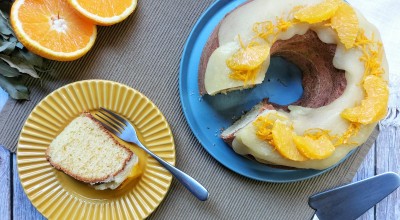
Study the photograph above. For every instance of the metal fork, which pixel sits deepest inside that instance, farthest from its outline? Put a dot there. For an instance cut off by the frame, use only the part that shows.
(125, 131)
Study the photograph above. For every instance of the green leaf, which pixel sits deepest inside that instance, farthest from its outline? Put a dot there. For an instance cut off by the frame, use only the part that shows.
(13, 39)
(31, 58)
(14, 87)
(18, 64)
(2, 14)
(7, 47)
(4, 28)
(7, 70)
(5, 7)
(5, 37)
(19, 45)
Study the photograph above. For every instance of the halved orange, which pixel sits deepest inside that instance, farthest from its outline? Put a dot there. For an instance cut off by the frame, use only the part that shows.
(105, 12)
(52, 29)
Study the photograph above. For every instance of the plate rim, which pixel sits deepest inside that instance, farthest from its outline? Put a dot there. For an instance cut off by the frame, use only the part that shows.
(154, 106)
(183, 65)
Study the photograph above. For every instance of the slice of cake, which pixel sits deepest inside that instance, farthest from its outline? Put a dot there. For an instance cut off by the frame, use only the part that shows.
(86, 151)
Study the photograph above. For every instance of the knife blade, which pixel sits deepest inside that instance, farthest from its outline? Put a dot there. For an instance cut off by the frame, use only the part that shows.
(352, 200)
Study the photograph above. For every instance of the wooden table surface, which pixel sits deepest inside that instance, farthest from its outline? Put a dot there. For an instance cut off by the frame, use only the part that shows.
(384, 156)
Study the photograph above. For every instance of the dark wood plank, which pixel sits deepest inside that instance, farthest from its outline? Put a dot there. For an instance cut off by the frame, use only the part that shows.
(5, 184)
(367, 169)
(22, 208)
(388, 159)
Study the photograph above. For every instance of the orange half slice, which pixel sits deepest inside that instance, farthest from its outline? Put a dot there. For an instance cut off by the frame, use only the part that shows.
(105, 12)
(52, 29)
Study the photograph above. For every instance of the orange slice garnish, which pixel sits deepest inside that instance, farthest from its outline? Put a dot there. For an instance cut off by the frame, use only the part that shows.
(248, 58)
(345, 22)
(282, 136)
(374, 107)
(315, 149)
(319, 12)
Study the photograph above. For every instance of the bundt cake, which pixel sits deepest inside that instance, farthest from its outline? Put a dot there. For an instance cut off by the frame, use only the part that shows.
(344, 77)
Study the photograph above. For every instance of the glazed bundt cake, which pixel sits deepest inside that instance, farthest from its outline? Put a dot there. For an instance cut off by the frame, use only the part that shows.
(344, 72)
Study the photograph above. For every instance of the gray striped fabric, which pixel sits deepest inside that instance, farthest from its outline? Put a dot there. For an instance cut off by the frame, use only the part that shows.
(144, 52)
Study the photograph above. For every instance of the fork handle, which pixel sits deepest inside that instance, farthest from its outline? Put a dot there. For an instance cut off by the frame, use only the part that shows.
(191, 184)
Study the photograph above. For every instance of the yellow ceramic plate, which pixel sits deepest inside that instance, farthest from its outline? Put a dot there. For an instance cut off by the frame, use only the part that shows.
(58, 196)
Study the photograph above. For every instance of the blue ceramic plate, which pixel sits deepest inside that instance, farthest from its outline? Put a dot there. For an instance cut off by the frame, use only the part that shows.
(208, 115)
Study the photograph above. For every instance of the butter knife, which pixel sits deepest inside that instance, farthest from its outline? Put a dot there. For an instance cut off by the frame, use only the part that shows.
(352, 200)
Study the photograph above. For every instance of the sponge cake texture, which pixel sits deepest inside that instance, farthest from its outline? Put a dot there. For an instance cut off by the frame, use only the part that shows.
(86, 151)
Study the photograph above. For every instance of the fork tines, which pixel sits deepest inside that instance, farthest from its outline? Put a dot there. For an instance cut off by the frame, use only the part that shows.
(110, 120)
(120, 119)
